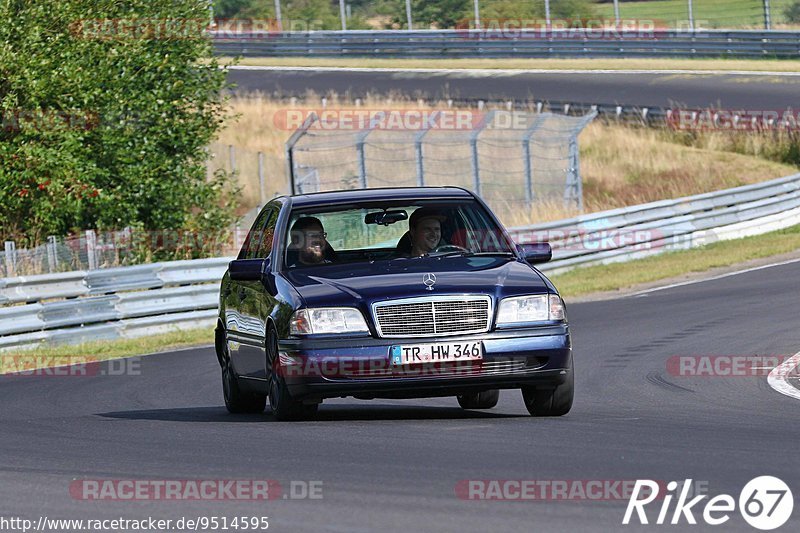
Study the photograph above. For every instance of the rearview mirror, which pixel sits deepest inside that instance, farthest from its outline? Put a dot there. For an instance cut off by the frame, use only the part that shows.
(539, 252)
(248, 269)
(385, 218)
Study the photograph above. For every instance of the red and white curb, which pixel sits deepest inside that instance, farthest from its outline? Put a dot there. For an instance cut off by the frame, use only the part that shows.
(778, 378)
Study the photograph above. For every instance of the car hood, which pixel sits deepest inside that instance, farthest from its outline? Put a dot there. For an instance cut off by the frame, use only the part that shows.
(356, 285)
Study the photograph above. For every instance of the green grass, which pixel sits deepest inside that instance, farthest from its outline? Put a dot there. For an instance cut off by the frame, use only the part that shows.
(707, 13)
(672, 264)
(90, 352)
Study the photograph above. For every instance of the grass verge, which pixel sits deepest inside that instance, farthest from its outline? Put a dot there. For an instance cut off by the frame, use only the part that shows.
(754, 65)
(620, 276)
(92, 352)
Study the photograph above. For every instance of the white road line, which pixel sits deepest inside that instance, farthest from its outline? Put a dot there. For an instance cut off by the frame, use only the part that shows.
(509, 71)
(778, 378)
(703, 280)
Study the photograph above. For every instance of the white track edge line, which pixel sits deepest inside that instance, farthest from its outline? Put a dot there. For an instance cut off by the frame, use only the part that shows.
(777, 378)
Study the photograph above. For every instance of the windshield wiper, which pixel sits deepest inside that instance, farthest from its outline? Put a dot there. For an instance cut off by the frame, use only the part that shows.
(461, 253)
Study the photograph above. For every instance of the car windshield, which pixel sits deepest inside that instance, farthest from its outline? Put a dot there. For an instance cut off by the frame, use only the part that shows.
(391, 231)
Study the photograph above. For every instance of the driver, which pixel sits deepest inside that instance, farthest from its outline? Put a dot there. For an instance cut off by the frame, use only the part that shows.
(425, 229)
(308, 244)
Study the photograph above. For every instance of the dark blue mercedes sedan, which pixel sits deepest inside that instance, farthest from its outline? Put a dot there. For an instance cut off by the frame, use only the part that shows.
(389, 293)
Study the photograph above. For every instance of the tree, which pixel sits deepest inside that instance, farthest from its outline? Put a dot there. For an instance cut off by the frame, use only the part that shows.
(106, 111)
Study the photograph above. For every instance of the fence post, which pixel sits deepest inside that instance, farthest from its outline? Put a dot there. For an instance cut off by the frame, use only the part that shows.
(574, 182)
(232, 157)
(361, 139)
(91, 249)
(51, 253)
(418, 149)
(299, 132)
(691, 15)
(526, 152)
(11, 259)
(574, 185)
(362, 164)
(473, 142)
(767, 15)
(616, 13)
(261, 179)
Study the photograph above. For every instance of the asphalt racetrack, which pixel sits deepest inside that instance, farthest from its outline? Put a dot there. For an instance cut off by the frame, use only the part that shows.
(395, 465)
(696, 90)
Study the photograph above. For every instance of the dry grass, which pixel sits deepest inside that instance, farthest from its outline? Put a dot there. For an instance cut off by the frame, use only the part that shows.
(621, 165)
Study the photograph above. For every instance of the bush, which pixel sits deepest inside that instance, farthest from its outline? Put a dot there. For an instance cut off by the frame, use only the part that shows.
(792, 12)
(106, 109)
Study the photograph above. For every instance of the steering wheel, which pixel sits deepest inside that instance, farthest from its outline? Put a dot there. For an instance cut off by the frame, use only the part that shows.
(448, 248)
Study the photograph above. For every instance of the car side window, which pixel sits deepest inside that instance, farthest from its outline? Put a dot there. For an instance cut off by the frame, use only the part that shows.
(255, 236)
(267, 235)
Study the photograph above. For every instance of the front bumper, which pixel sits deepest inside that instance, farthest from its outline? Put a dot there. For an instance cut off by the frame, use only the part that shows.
(331, 367)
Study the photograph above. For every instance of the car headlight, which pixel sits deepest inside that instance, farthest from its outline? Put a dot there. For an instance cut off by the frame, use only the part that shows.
(327, 320)
(537, 308)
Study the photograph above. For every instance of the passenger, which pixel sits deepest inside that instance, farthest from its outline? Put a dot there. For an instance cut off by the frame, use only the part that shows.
(308, 244)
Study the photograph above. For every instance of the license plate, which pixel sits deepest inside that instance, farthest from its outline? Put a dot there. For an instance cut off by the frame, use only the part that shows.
(435, 353)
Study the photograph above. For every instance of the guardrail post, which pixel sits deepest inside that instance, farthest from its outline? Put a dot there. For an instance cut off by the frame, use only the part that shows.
(11, 259)
(261, 179)
(52, 263)
(91, 249)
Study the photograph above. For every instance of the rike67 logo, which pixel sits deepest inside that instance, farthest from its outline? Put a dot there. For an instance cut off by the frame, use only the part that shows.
(765, 503)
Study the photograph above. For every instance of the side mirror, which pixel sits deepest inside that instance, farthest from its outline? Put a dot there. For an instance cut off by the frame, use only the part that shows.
(539, 252)
(248, 269)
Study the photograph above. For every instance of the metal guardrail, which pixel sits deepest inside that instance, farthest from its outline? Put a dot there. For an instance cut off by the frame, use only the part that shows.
(515, 43)
(83, 306)
(121, 302)
(647, 229)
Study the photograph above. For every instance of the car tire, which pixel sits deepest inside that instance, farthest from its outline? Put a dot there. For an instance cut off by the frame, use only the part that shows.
(551, 401)
(479, 400)
(282, 405)
(237, 401)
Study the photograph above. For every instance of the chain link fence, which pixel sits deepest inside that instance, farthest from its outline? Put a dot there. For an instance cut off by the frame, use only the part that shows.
(93, 250)
(513, 159)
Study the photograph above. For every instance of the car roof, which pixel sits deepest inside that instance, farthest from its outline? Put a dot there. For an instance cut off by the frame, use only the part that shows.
(379, 194)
